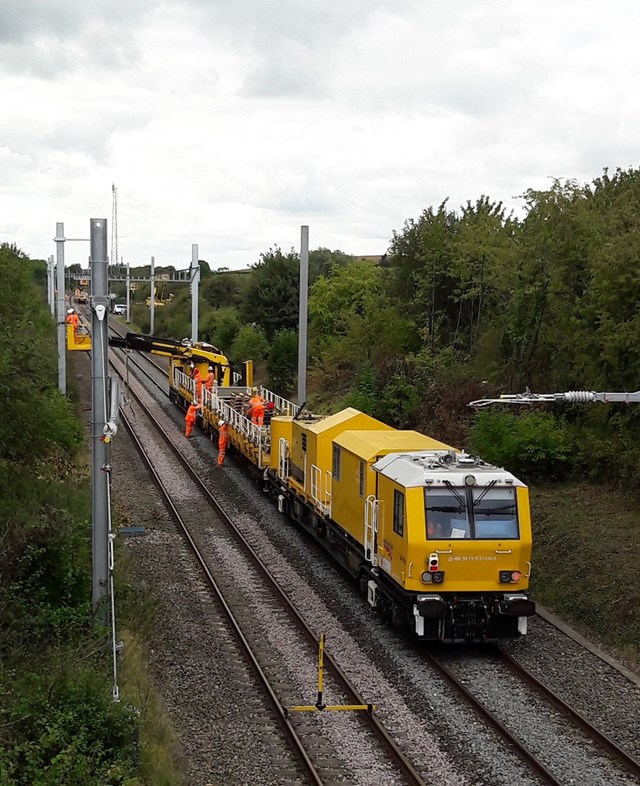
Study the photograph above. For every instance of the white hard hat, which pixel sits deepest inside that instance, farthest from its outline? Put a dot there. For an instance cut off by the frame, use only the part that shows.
(69, 311)
(210, 368)
(221, 422)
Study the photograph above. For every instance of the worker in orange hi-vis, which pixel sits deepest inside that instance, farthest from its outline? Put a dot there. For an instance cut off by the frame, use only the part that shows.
(72, 319)
(210, 381)
(223, 441)
(190, 418)
(197, 376)
(256, 407)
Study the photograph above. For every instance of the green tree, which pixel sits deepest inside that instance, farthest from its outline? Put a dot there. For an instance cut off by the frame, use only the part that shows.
(36, 420)
(250, 344)
(533, 444)
(224, 289)
(220, 327)
(271, 300)
(323, 262)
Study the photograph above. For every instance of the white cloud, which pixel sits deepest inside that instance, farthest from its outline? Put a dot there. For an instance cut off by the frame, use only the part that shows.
(230, 124)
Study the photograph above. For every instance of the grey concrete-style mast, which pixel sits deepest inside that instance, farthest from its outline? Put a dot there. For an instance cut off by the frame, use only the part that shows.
(51, 287)
(152, 313)
(302, 317)
(99, 448)
(61, 310)
(128, 293)
(194, 275)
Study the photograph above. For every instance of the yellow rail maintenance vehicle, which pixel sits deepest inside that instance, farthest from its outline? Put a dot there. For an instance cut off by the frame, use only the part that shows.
(439, 541)
(78, 339)
(81, 296)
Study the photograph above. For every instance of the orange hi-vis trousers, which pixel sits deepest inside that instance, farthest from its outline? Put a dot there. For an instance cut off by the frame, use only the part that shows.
(222, 450)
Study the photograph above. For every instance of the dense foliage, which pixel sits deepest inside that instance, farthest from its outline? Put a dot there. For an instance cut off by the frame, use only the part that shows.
(466, 303)
(477, 302)
(57, 722)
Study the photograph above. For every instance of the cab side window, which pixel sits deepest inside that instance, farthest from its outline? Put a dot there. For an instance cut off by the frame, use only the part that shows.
(398, 512)
(336, 462)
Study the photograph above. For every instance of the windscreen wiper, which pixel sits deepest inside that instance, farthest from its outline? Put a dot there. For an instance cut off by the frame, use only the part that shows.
(456, 494)
(489, 485)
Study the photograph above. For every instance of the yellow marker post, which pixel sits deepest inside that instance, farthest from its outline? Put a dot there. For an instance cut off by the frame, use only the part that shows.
(320, 706)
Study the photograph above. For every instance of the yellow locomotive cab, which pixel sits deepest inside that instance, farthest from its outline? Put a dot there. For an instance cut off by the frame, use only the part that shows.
(452, 537)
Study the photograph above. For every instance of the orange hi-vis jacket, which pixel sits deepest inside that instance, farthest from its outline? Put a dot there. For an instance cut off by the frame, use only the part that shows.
(190, 417)
(209, 381)
(256, 409)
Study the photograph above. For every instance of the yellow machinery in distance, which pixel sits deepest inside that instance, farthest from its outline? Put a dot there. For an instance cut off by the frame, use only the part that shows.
(159, 299)
(81, 296)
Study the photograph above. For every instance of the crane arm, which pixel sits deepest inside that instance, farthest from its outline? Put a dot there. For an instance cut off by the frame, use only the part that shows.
(168, 348)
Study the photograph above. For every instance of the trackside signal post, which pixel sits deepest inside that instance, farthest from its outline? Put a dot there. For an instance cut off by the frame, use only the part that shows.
(62, 359)
(51, 287)
(320, 706)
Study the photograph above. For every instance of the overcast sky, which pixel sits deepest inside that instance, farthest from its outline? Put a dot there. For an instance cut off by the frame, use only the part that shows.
(230, 123)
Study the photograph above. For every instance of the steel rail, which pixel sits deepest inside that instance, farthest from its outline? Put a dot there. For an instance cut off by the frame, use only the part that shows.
(521, 749)
(630, 764)
(213, 585)
(397, 754)
(134, 362)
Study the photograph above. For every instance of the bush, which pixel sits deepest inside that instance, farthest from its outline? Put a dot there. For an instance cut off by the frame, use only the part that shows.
(250, 344)
(64, 728)
(363, 396)
(220, 327)
(283, 362)
(533, 444)
(399, 401)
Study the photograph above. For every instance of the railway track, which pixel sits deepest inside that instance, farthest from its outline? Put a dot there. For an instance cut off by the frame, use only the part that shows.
(600, 739)
(544, 771)
(477, 679)
(249, 596)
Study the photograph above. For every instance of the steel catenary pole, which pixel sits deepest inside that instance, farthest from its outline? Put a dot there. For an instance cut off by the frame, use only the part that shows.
(153, 295)
(100, 449)
(194, 275)
(61, 310)
(302, 318)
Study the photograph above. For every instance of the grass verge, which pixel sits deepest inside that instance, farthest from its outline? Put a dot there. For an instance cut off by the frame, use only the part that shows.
(586, 558)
